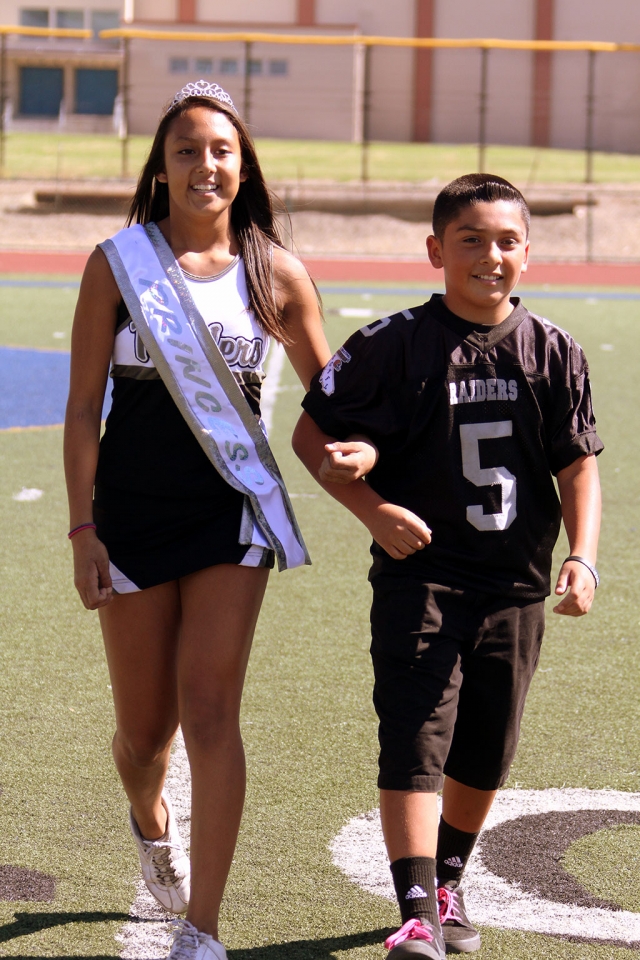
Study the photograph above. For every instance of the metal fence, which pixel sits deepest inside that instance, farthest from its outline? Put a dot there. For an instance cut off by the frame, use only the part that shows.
(593, 208)
(362, 81)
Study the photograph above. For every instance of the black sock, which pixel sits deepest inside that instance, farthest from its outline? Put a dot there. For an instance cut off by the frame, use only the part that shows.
(415, 881)
(454, 849)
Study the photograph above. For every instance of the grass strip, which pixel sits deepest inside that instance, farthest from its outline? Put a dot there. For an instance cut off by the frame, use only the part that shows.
(69, 156)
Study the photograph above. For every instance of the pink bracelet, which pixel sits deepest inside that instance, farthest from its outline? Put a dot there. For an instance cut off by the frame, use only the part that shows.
(83, 526)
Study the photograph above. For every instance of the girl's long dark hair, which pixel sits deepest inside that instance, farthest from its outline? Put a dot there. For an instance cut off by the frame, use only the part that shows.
(252, 215)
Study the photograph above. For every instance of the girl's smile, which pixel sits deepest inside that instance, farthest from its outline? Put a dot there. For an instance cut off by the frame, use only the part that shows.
(202, 161)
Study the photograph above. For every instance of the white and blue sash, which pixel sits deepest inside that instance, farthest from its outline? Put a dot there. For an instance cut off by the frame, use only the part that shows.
(203, 387)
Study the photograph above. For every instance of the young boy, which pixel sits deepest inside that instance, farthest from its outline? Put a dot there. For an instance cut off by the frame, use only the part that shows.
(470, 405)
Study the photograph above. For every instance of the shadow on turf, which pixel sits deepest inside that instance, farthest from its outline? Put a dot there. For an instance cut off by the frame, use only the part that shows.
(297, 949)
(26, 923)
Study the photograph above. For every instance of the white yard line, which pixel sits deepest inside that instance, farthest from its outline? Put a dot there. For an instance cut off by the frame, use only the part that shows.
(358, 850)
(148, 934)
(271, 385)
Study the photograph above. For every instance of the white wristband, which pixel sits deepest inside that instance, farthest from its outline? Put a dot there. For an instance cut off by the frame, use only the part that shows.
(590, 567)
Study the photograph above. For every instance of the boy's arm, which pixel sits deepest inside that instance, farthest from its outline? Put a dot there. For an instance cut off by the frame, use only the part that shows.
(398, 531)
(579, 487)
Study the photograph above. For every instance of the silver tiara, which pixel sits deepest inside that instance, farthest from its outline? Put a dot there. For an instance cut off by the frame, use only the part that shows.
(202, 88)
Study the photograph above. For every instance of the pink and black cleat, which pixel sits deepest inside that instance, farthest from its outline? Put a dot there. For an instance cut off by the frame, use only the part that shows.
(415, 939)
(460, 936)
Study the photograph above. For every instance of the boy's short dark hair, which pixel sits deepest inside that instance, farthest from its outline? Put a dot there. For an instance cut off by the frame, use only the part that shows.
(469, 190)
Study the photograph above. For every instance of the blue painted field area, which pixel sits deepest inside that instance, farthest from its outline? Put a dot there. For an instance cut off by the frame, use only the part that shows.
(33, 387)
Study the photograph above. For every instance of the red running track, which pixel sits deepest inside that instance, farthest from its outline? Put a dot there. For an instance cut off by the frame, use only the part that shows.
(353, 269)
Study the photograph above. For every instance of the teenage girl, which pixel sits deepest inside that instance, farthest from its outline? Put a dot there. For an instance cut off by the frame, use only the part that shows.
(154, 526)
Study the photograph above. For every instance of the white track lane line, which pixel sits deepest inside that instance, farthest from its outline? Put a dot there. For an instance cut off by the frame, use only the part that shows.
(148, 935)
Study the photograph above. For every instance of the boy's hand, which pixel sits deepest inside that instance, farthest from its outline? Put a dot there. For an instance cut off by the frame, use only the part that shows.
(578, 580)
(346, 462)
(398, 531)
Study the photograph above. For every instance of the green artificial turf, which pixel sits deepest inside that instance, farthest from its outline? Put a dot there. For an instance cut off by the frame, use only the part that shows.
(584, 696)
(61, 808)
(31, 316)
(71, 156)
(307, 718)
(608, 864)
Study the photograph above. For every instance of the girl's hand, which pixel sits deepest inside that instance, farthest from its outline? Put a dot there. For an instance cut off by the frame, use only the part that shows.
(91, 570)
(346, 462)
(398, 531)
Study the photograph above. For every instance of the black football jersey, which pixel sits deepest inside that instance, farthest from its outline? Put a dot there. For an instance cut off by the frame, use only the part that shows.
(471, 423)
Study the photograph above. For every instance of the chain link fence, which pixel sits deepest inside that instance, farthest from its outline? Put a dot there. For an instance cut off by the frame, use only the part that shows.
(353, 193)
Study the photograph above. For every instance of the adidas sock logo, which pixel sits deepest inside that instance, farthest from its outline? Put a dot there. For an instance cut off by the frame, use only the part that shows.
(454, 862)
(416, 893)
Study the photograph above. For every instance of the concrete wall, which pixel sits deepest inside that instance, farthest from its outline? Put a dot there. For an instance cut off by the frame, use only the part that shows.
(391, 69)
(617, 104)
(155, 10)
(456, 73)
(247, 11)
(307, 102)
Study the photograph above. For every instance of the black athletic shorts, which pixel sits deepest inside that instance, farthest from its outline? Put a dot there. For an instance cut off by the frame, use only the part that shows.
(452, 670)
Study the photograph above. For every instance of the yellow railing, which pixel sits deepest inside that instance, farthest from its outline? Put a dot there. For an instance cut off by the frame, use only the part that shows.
(366, 43)
(70, 34)
(482, 43)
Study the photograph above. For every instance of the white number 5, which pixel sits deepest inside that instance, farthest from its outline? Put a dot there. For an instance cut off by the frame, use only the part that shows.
(470, 435)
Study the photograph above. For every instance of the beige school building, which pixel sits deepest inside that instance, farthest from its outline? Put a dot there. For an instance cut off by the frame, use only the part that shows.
(317, 91)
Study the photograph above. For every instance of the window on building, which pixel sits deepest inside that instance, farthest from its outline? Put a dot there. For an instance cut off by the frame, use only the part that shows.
(96, 91)
(70, 19)
(30, 17)
(278, 68)
(228, 66)
(254, 68)
(40, 91)
(178, 65)
(104, 20)
(204, 65)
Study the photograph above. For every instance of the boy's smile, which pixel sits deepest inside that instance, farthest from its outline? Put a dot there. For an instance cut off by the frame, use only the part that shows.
(483, 253)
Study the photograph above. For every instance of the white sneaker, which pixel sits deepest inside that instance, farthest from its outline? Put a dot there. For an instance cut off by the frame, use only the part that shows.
(190, 944)
(165, 866)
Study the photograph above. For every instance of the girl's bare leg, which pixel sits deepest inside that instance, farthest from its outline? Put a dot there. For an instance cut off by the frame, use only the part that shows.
(220, 607)
(141, 633)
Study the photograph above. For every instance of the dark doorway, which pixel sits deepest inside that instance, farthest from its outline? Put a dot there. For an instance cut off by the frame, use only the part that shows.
(96, 91)
(41, 91)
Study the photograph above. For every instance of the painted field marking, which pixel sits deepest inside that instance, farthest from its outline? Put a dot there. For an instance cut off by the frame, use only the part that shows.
(358, 850)
(34, 383)
(33, 387)
(271, 383)
(28, 494)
